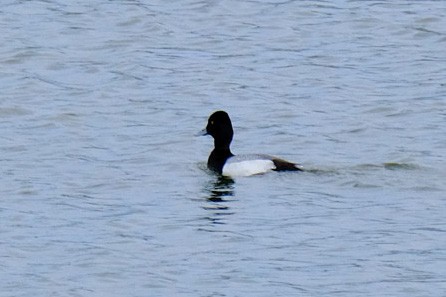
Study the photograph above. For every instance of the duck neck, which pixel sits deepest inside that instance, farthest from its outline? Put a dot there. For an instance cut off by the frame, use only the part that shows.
(218, 158)
(223, 141)
(221, 145)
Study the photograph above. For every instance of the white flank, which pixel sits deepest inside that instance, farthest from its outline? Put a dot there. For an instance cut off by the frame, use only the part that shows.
(248, 167)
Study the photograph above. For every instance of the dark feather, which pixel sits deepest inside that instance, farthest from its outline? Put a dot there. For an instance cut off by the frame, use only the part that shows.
(282, 165)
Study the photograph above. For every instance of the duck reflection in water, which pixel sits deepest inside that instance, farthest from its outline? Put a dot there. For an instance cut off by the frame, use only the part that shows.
(222, 187)
(220, 193)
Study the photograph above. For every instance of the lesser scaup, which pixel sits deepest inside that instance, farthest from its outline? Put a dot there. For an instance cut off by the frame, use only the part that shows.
(222, 161)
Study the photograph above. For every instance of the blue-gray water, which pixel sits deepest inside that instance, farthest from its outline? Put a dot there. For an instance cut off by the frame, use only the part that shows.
(104, 188)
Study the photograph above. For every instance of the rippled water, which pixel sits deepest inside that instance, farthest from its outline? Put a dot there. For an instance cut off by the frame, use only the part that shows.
(104, 187)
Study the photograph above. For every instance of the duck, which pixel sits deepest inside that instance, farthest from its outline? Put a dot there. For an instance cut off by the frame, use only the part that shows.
(222, 161)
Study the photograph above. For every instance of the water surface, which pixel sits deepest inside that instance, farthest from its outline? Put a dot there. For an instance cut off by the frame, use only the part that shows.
(104, 187)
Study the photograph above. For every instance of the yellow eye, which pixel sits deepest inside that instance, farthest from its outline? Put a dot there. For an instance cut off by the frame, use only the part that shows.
(212, 122)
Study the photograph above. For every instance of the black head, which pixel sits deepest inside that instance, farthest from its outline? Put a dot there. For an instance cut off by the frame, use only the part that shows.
(220, 128)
